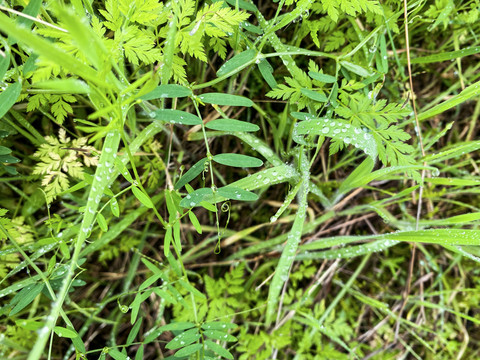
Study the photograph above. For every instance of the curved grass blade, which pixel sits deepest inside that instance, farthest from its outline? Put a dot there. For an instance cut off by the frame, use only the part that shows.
(288, 254)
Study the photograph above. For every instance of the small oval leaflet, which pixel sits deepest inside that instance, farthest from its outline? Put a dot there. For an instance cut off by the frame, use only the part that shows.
(219, 335)
(114, 207)
(237, 61)
(219, 325)
(267, 72)
(231, 125)
(64, 332)
(237, 160)
(181, 325)
(185, 338)
(314, 95)
(144, 199)
(176, 117)
(236, 193)
(167, 91)
(218, 349)
(188, 350)
(225, 99)
(191, 174)
(102, 222)
(325, 78)
(196, 197)
(356, 69)
(340, 130)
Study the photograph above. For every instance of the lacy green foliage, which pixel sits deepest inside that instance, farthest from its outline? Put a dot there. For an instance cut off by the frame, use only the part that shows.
(381, 119)
(58, 159)
(224, 298)
(335, 8)
(59, 104)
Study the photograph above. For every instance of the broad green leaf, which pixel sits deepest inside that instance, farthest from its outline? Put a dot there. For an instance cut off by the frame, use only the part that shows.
(167, 91)
(144, 199)
(236, 193)
(185, 338)
(325, 78)
(9, 96)
(64, 86)
(194, 198)
(250, 27)
(218, 325)
(236, 62)
(176, 117)
(219, 335)
(356, 69)
(102, 222)
(191, 174)
(218, 349)
(225, 99)
(314, 95)
(64, 332)
(23, 298)
(466, 94)
(340, 130)
(267, 72)
(237, 160)
(188, 350)
(231, 125)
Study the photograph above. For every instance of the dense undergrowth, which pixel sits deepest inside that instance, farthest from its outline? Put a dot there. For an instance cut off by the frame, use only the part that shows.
(239, 180)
